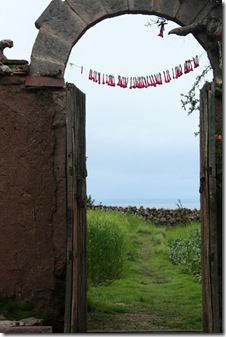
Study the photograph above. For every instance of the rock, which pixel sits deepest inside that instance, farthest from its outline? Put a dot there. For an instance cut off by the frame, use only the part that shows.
(31, 321)
(4, 44)
(158, 216)
(7, 323)
(5, 69)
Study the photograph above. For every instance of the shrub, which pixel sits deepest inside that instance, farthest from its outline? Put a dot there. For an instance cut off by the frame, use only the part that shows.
(187, 253)
(107, 248)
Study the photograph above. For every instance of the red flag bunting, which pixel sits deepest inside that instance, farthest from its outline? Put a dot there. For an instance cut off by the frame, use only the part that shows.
(140, 82)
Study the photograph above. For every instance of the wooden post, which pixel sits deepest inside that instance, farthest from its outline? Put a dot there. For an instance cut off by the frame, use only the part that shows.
(76, 288)
(70, 217)
(210, 280)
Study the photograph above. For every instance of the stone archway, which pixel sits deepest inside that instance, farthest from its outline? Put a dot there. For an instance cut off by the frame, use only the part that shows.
(60, 26)
(63, 23)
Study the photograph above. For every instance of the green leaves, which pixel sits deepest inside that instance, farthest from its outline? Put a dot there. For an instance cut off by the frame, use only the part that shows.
(187, 253)
(190, 101)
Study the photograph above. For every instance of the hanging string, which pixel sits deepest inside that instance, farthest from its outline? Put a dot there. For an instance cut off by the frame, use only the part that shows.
(139, 82)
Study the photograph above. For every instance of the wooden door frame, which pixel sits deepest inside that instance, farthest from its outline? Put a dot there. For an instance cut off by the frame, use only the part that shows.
(76, 278)
(76, 269)
(210, 209)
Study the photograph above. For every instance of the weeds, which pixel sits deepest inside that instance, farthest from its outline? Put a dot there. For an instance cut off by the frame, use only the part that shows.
(186, 252)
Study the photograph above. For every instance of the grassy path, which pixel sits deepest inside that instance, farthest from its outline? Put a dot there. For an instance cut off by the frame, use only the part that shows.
(153, 295)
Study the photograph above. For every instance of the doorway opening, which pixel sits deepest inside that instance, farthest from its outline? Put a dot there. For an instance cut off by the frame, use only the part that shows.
(141, 131)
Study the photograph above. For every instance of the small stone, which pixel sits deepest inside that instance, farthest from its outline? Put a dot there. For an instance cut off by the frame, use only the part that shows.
(31, 321)
(7, 323)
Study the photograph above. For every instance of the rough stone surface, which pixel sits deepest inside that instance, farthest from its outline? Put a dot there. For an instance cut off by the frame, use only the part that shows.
(158, 216)
(189, 10)
(89, 11)
(39, 81)
(40, 68)
(7, 323)
(4, 44)
(119, 6)
(8, 80)
(32, 197)
(55, 47)
(31, 321)
(60, 27)
(207, 10)
(62, 20)
(168, 9)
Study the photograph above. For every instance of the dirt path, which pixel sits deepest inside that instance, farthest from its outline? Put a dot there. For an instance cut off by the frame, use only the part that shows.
(126, 322)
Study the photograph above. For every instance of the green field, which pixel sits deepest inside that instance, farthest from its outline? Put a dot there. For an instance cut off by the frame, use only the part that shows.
(151, 293)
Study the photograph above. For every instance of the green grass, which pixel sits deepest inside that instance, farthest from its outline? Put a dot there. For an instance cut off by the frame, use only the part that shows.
(151, 285)
(107, 248)
(11, 310)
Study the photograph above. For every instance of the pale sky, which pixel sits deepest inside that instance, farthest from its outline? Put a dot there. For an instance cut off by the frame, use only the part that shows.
(140, 142)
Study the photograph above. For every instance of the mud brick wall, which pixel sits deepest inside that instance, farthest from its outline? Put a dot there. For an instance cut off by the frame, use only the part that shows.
(32, 195)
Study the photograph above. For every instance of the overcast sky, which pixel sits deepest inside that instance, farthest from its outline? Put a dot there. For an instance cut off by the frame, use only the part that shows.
(140, 142)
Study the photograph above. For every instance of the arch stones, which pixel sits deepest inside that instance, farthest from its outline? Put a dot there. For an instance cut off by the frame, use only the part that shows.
(63, 23)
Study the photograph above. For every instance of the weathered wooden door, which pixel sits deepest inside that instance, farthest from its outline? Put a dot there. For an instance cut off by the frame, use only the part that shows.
(76, 274)
(211, 224)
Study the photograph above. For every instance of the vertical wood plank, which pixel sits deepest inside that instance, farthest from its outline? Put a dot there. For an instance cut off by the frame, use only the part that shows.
(79, 286)
(210, 284)
(206, 288)
(76, 278)
(69, 212)
(213, 209)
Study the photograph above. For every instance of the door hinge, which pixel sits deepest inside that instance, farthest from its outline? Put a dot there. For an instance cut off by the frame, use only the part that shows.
(202, 183)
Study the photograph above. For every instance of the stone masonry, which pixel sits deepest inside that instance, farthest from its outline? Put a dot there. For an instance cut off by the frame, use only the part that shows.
(63, 23)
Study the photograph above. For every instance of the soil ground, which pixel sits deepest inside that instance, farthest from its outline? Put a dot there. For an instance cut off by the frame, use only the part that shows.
(127, 322)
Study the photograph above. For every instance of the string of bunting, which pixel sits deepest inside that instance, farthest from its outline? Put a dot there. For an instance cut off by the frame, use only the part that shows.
(140, 82)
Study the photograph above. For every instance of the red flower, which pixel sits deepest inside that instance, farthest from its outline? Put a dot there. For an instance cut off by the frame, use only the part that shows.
(219, 137)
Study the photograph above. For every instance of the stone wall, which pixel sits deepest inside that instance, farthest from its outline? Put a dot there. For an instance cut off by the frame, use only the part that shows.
(159, 216)
(32, 195)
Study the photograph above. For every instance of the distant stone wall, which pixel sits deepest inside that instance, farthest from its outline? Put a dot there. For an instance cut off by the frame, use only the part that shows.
(159, 216)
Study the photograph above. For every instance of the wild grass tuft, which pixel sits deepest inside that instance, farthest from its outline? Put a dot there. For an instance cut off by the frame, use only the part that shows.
(107, 248)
